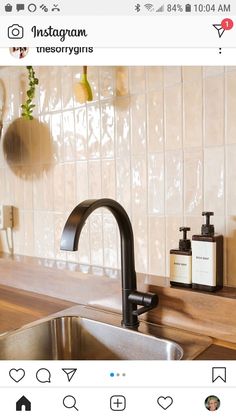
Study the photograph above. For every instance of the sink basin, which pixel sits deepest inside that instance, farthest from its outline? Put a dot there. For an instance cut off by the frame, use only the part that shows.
(81, 338)
(87, 333)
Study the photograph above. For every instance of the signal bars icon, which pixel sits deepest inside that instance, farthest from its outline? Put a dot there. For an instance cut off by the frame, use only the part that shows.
(161, 9)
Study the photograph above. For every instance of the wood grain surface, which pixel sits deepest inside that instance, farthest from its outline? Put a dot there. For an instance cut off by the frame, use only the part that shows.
(18, 307)
(209, 314)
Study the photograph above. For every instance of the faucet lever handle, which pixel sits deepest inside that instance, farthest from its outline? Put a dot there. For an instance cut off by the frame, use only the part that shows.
(146, 299)
(142, 310)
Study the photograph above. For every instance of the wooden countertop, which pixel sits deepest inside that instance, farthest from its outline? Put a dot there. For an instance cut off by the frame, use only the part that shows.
(18, 307)
(32, 288)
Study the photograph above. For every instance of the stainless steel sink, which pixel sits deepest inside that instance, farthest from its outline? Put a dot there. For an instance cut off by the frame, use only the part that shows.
(83, 333)
(81, 338)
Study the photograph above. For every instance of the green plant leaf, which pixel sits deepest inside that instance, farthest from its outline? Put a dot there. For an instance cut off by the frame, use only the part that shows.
(28, 106)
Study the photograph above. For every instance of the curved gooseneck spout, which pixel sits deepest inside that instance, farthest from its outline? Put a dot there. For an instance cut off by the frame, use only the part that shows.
(130, 296)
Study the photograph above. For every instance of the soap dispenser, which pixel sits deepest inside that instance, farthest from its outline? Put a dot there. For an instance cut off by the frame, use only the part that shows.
(207, 258)
(181, 262)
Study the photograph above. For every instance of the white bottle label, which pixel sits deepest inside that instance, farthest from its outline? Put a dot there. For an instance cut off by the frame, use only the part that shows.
(181, 268)
(204, 263)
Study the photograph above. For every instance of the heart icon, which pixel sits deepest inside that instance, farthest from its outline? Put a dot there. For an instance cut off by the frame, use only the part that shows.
(17, 375)
(165, 402)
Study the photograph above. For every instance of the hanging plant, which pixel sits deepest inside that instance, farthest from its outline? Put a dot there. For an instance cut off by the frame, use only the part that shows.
(28, 106)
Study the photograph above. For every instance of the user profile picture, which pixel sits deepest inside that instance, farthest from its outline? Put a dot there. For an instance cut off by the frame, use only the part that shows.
(19, 52)
(212, 403)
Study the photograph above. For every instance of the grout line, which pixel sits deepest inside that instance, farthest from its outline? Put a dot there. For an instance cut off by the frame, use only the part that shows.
(203, 136)
(164, 165)
(116, 241)
(225, 174)
(182, 140)
(147, 173)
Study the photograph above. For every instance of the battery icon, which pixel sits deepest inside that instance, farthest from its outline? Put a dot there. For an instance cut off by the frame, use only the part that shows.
(188, 8)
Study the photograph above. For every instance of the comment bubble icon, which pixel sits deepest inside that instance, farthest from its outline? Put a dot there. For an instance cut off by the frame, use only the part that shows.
(43, 375)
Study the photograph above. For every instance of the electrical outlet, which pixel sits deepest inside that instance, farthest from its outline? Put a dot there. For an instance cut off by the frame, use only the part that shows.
(6, 216)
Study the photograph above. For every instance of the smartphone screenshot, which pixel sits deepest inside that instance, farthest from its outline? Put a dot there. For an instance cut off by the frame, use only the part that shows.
(117, 209)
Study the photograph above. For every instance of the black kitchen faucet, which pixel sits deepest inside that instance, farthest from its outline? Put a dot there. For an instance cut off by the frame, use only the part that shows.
(130, 296)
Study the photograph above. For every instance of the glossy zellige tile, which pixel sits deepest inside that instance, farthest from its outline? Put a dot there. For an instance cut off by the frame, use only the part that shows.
(57, 137)
(94, 134)
(154, 77)
(59, 222)
(108, 179)
(211, 71)
(192, 74)
(44, 89)
(69, 135)
(81, 143)
(122, 127)
(67, 84)
(137, 80)
(70, 186)
(59, 187)
(155, 121)
(82, 180)
(231, 107)
(107, 129)
(138, 123)
(173, 117)
(173, 183)
(123, 183)
(230, 260)
(214, 110)
(28, 233)
(139, 188)
(156, 183)
(231, 176)
(55, 98)
(193, 181)
(192, 112)
(134, 139)
(172, 75)
(107, 80)
(94, 179)
(157, 246)
(214, 180)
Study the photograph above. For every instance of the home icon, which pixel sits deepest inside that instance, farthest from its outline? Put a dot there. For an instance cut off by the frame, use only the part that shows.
(23, 404)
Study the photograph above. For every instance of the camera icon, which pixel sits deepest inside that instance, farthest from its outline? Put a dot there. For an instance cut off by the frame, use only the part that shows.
(15, 32)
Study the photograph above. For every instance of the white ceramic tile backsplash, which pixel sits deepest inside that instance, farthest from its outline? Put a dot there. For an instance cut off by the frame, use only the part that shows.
(160, 140)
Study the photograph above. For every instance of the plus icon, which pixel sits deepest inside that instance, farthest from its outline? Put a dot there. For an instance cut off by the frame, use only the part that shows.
(117, 403)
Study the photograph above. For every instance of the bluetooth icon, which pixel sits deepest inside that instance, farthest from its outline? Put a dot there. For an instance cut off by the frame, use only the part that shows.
(137, 8)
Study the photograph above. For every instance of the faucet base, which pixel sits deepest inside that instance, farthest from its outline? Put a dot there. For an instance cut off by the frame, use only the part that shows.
(130, 327)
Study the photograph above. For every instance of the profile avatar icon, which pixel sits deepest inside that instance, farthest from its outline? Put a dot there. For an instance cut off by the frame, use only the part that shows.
(212, 403)
(19, 52)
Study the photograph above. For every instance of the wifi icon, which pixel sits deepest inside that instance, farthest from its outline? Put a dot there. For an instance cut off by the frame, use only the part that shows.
(149, 7)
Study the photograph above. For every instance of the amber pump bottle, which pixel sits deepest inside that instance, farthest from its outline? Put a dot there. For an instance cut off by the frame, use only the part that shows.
(181, 262)
(207, 258)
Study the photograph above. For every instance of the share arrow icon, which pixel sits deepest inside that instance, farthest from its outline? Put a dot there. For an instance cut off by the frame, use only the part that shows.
(70, 372)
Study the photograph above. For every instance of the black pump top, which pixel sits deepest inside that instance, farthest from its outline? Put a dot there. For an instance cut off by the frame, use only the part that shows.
(208, 229)
(184, 243)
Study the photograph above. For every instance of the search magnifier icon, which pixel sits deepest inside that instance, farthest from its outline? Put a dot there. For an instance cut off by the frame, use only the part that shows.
(70, 402)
